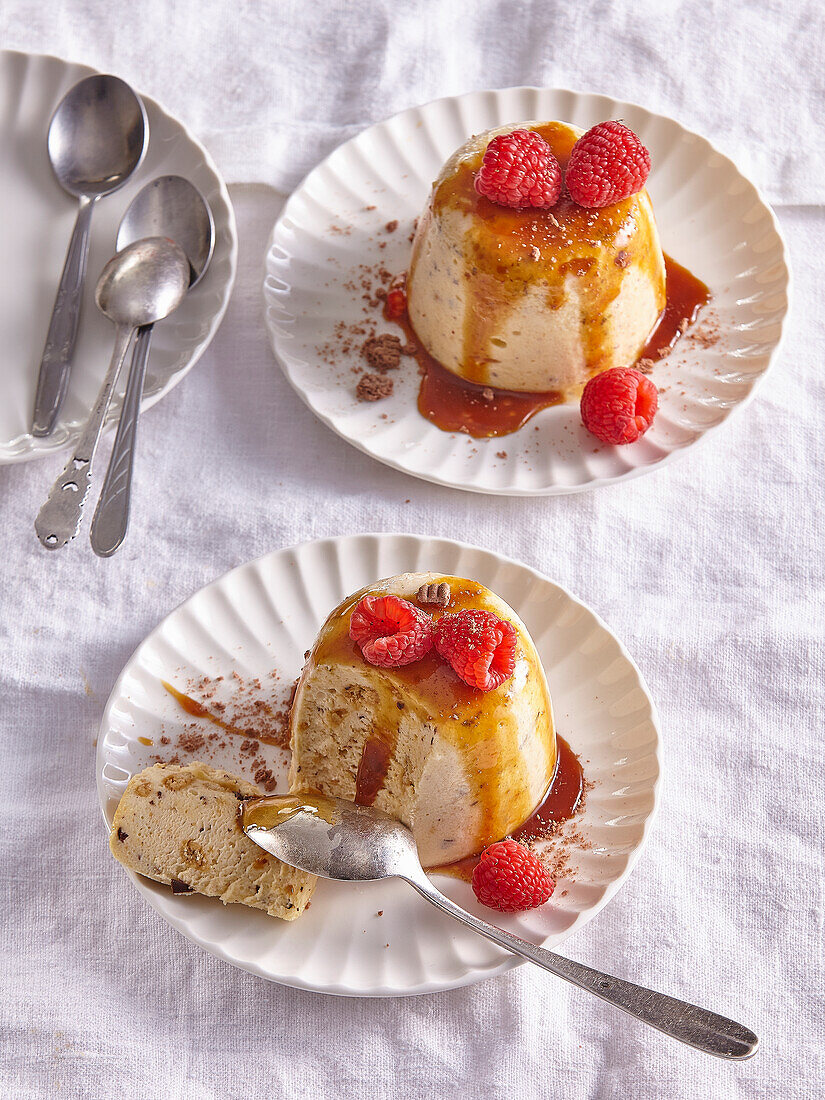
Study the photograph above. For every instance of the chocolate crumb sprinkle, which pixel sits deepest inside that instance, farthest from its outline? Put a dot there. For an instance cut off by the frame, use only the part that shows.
(372, 387)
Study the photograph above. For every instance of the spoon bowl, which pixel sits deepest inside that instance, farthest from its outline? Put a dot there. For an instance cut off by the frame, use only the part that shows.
(143, 283)
(171, 206)
(336, 839)
(332, 838)
(97, 136)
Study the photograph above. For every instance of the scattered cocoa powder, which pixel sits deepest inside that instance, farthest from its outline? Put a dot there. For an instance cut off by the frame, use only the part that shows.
(645, 366)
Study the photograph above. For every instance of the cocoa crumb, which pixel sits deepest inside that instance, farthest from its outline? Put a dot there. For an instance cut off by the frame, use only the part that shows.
(191, 740)
(501, 454)
(645, 366)
(391, 226)
(372, 387)
(622, 259)
(370, 207)
(382, 352)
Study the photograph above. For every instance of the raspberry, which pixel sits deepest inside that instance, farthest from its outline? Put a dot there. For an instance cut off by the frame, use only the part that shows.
(519, 170)
(390, 631)
(618, 405)
(511, 878)
(607, 164)
(480, 647)
(396, 303)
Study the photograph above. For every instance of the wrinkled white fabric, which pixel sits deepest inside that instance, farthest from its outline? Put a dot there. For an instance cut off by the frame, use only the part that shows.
(711, 570)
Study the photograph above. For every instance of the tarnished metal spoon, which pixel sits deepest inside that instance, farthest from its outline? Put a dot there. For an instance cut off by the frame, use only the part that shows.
(169, 206)
(140, 285)
(335, 839)
(97, 138)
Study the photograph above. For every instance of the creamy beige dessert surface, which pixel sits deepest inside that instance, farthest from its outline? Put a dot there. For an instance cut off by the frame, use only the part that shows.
(462, 768)
(532, 300)
(180, 825)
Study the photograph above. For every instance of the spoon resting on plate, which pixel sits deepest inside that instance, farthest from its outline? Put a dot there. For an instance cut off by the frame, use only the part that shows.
(169, 206)
(339, 840)
(140, 285)
(97, 139)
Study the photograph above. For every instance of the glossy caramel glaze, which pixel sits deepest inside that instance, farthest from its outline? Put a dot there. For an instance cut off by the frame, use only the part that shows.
(274, 810)
(456, 405)
(480, 726)
(507, 253)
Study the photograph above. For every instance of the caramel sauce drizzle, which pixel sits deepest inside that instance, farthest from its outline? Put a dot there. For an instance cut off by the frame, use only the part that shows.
(561, 802)
(456, 405)
(198, 710)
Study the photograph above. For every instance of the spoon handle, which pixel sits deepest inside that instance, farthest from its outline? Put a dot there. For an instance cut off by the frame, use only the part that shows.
(59, 519)
(55, 366)
(695, 1026)
(111, 518)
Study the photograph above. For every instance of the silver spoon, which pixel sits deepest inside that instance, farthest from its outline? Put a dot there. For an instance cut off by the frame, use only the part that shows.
(338, 840)
(140, 285)
(97, 138)
(169, 206)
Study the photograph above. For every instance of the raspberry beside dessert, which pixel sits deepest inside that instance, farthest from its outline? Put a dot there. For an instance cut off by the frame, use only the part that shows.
(519, 170)
(619, 405)
(391, 632)
(607, 164)
(511, 878)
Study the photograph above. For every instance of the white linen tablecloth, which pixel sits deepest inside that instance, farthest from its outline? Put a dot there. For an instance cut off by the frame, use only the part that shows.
(711, 570)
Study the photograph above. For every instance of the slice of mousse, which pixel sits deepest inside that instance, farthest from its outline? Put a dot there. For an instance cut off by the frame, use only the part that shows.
(532, 300)
(180, 824)
(460, 767)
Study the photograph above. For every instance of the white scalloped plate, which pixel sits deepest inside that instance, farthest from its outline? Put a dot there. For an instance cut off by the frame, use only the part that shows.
(711, 219)
(36, 219)
(265, 614)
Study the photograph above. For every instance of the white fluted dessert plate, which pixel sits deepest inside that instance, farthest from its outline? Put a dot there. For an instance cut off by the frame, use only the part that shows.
(381, 939)
(36, 219)
(332, 235)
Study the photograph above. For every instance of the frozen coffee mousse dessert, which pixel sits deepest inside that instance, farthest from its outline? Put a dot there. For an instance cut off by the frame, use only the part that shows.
(537, 263)
(425, 697)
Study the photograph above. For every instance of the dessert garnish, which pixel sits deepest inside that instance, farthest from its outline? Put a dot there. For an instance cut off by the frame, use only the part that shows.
(479, 646)
(438, 594)
(395, 304)
(511, 878)
(519, 170)
(382, 352)
(372, 387)
(607, 164)
(390, 632)
(619, 405)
